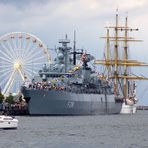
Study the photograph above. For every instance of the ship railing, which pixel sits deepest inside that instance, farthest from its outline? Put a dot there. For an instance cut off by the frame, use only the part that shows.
(45, 87)
(66, 88)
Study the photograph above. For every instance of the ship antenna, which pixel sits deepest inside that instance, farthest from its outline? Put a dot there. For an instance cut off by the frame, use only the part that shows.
(126, 13)
(117, 11)
(116, 55)
(74, 49)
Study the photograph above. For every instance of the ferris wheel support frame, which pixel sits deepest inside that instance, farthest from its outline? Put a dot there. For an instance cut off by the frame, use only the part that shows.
(11, 80)
(9, 83)
(15, 41)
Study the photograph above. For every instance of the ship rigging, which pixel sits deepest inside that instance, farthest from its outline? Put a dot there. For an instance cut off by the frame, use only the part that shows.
(118, 66)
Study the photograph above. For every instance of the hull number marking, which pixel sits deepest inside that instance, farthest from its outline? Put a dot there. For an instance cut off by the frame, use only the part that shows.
(70, 104)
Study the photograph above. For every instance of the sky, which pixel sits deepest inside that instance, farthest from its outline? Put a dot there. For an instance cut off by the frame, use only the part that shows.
(50, 20)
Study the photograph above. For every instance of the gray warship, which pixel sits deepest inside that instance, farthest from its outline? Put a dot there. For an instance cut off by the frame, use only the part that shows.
(68, 88)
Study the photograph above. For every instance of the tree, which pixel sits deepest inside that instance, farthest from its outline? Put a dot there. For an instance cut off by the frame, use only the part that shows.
(10, 99)
(1, 98)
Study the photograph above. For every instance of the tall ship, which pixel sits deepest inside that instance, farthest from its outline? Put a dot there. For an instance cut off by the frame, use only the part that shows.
(70, 86)
(118, 64)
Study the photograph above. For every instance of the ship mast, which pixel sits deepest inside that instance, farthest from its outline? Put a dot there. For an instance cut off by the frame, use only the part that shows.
(65, 48)
(116, 56)
(126, 76)
(123, 63)
(74, 49)
(125, 59)
(107, 54)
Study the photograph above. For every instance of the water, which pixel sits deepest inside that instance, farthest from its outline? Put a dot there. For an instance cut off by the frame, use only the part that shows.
(108, 131)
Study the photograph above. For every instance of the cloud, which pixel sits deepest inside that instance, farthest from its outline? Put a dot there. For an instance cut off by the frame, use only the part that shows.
(52, 19)
(49, 19)
(19, 4)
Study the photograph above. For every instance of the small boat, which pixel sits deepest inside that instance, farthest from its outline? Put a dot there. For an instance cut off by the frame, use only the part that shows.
(128, 108)
(8, 122)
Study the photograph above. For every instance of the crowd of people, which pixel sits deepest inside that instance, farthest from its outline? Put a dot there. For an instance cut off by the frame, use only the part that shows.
(70, 88)
(46, 86)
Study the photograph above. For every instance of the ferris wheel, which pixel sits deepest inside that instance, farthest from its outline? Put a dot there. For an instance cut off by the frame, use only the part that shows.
(21, 56)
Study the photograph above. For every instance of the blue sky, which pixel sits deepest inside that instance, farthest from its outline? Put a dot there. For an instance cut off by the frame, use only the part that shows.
(52, 19)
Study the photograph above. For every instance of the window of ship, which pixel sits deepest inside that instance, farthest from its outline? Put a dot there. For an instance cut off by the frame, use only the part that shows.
(68, 76)
(8, 119)
(110, 90)
(40, 71)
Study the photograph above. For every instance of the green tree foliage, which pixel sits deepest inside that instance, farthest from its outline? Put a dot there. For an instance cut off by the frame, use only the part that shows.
(10, 99)
(1, 98)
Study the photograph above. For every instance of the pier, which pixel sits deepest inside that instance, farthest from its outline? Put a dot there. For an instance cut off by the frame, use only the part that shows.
(16, 109)
(142, 107)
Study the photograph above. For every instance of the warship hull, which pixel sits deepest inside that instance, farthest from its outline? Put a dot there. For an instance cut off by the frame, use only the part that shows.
(53, 102)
